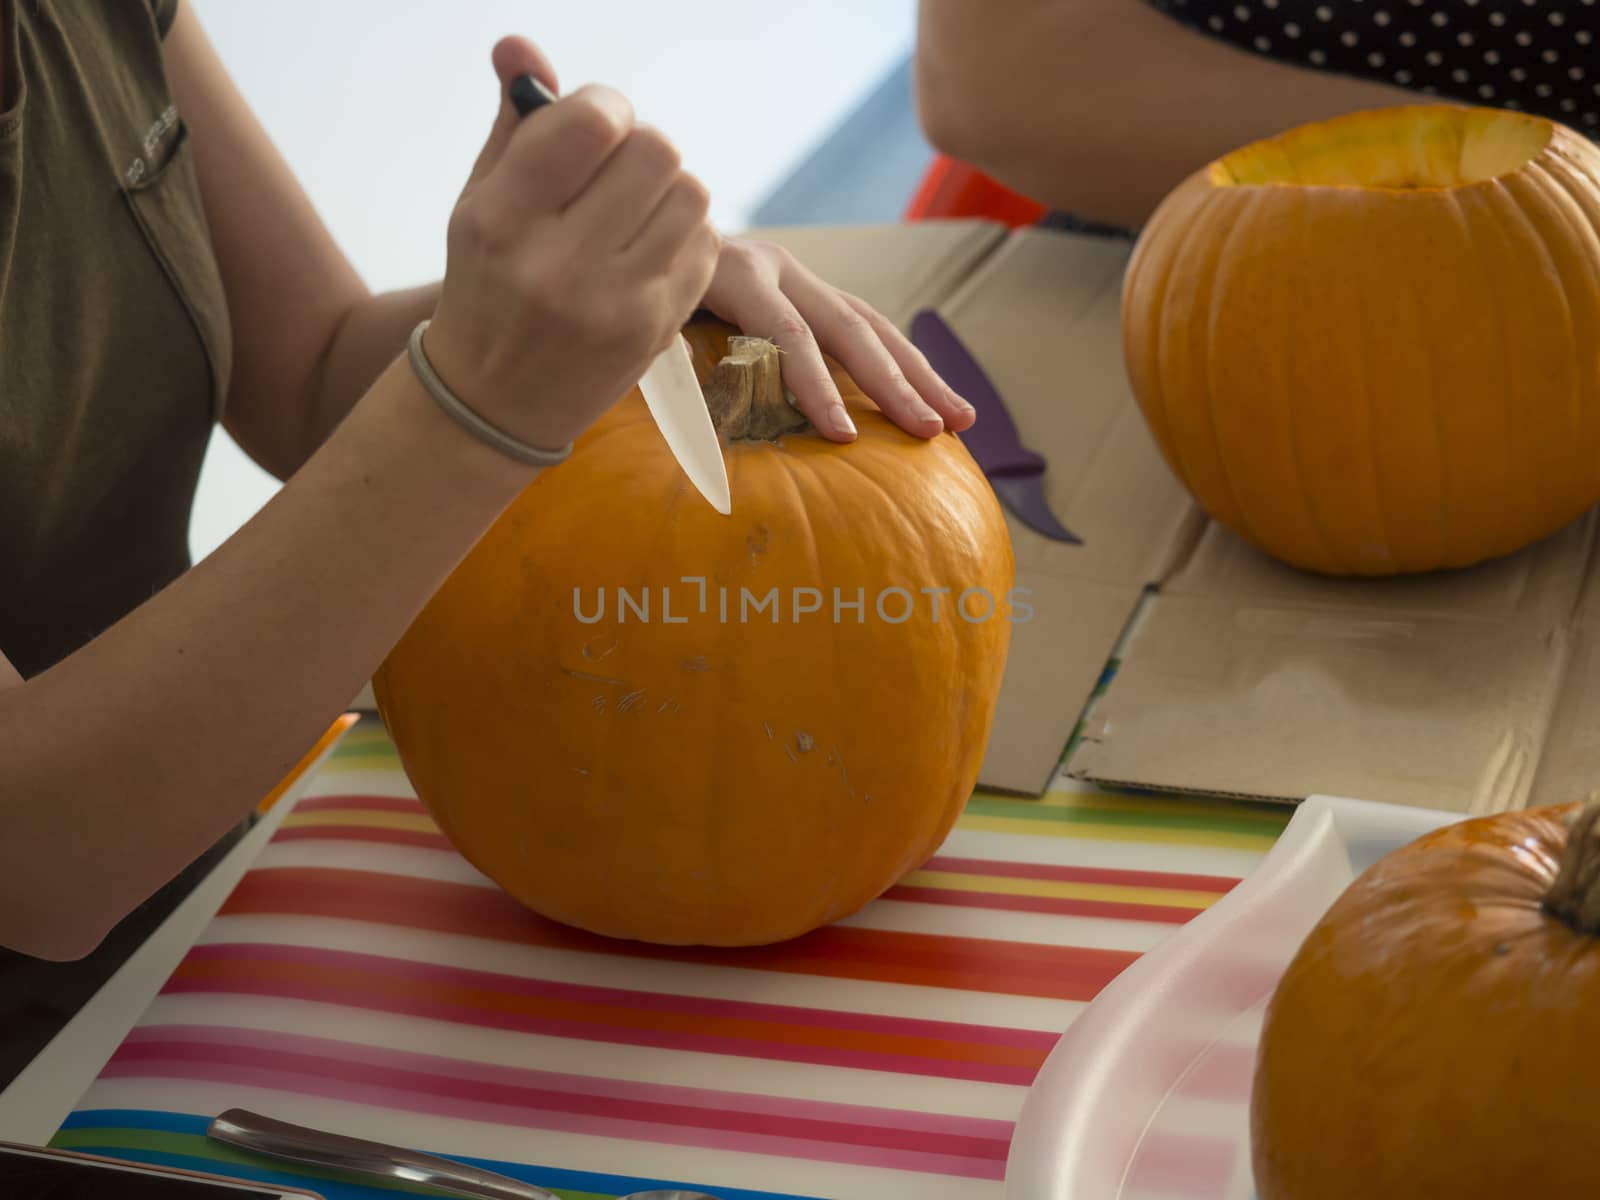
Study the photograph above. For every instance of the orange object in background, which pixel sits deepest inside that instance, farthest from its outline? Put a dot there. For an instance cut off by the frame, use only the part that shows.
(951, 189)
(327, 739)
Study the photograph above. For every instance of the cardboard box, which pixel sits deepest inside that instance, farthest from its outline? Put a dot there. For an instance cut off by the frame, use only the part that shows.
(1470, 690)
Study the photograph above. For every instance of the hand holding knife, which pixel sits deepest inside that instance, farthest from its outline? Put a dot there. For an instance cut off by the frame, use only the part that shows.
(670, 387)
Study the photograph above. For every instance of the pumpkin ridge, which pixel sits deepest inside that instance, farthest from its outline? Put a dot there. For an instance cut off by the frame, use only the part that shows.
(1161, 343)
(1540, 179)
(1570, 179)
(1297, 467)
(1507, 358)
(1361, 343)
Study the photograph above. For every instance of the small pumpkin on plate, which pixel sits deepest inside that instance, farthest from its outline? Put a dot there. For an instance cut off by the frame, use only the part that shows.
(652, 721)
(1367, 345)
(1435, 1034)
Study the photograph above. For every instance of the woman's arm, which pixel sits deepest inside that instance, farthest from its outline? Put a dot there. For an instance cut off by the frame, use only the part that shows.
(576, 252)
(308, 337)
(1101, 107)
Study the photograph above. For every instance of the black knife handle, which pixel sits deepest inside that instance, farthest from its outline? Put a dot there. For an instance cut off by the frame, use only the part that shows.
(528, 94)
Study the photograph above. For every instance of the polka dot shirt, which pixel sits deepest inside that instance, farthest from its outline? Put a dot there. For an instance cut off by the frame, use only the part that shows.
(1537, 56)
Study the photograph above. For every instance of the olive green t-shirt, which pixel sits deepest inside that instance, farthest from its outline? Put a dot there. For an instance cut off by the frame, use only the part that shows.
(114, 345)
(114, 356)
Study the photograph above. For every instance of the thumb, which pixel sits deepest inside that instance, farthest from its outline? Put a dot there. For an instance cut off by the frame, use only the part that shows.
(512, 57)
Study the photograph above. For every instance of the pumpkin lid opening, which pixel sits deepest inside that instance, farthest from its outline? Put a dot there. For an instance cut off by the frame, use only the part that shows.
(1411, 148)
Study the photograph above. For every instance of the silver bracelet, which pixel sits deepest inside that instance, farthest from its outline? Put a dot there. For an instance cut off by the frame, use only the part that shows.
(463, 416)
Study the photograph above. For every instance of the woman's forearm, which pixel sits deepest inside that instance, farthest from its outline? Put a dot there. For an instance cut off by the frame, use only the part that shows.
(198, 701)
(1101, 107)
(362, 343)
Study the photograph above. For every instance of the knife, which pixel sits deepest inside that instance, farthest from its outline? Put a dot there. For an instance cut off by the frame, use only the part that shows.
(670, 387)
(1015, 472)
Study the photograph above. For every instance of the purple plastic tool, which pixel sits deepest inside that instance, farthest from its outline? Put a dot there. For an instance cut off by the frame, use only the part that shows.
(1015, 472)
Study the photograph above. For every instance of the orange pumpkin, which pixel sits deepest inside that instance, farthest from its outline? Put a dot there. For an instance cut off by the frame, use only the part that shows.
(1367, 346)
(651, 721)
(1434, 1036)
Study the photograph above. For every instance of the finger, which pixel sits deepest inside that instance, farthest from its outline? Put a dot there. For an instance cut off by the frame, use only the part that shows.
(617, 204)
(857, 341)
(957, 413)
(677, 217)
(512, 57)
(756, 303)
(692, 271)
(555, 153)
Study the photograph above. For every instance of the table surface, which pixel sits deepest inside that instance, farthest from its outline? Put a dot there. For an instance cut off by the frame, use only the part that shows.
(903, 1031)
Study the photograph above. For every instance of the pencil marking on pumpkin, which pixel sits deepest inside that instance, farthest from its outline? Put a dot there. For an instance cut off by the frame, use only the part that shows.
(789, 750)
(805, 741)
(579, 770)
(598, 704)
(628, 702)
(595, 678)
(697, 663)
(768, 728)
(594, 655)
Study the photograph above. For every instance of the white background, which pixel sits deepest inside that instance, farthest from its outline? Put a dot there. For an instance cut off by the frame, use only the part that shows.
(380, 107)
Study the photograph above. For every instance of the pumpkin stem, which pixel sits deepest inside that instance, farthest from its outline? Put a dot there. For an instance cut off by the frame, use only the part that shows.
(1574, 897)
(746, 397)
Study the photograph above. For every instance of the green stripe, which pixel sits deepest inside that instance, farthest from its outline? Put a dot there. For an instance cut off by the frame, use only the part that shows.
(1240, 817)
(364, 742)
(201, 1151)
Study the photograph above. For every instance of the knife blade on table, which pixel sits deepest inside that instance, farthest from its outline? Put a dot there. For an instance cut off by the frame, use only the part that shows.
(1015, 472)
(670, 388)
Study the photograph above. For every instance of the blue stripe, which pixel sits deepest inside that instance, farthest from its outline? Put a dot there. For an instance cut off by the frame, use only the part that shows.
(551, 1178)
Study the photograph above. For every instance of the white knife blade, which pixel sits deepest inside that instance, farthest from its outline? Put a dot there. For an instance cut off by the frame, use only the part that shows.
(672, 393)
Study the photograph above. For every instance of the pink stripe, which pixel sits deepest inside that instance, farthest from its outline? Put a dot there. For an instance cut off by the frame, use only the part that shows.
(1225, 1073)
(567, 1103)
(707, 1006)
(794, 1042)
(1183, 1165)
(976, 1070)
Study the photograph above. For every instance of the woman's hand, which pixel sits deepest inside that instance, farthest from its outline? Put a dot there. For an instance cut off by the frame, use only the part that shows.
(577, 250)
(765, 291)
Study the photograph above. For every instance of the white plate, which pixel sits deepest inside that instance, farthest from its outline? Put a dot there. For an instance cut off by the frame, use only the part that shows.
(1146, 1096)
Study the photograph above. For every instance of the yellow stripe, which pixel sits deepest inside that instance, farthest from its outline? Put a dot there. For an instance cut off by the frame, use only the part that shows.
(1058, 889)
(1119, 833)
(415, 822)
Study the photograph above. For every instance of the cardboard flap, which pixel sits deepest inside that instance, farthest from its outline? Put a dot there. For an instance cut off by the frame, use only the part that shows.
(1251, 678)
(1540, 585)
(1569, 768)
(1051, 671)
(895, 268)
(1042, 317)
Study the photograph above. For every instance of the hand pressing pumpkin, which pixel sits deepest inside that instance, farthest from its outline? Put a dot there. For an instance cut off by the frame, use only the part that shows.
(1435, 1034)
(767, 292)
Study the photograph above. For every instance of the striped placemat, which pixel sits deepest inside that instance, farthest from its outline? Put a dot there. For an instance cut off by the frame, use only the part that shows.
(364, 978)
